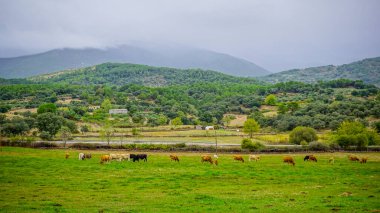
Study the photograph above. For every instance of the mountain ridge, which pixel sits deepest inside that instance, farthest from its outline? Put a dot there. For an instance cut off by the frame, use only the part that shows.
(180, 57)
(125, 73)
(367, 70)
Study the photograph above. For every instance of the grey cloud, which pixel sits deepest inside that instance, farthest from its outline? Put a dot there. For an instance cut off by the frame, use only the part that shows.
(277, 35)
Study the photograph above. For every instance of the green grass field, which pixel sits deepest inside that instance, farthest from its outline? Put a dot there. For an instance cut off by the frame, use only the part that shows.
(33, 180)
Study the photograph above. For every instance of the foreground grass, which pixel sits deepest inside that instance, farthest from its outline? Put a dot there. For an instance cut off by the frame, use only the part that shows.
(33, 180)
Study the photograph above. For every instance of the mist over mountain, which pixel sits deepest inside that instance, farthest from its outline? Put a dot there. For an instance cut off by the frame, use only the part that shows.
(367, 70)
(171, 56)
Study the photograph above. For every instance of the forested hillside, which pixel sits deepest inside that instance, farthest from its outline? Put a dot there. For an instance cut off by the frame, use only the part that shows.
(121, 74)
(177, 57)
(321, 106)
(367, 70)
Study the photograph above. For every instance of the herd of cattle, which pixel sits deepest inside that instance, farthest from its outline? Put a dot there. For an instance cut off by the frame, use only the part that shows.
(204, 158)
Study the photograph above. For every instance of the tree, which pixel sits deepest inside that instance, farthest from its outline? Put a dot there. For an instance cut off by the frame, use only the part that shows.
(251, 126)
(107, 133)
(282, 108)
(49, 107)
(227, 119)
(301, 133)
(65, 134)
(354, 133)
(50, 123)
(177, 121)
(271, 100)
(293, 106)
(106, 105)
(84, 129)
(162, 119)
(376, 126)
(71, 125)
(16, 126)
(4, 108)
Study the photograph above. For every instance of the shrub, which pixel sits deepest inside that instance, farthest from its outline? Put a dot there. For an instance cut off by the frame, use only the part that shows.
(300, 133)
(49, 107)
(246, 143)
(45, 135)
(251, 146)
(257, 146)
(179, 145)
(318, 146)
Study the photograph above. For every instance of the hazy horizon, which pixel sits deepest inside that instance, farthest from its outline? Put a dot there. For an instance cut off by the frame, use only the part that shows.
(274, 35)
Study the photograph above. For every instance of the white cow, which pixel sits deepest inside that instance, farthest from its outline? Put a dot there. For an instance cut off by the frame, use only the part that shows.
(81, 156)
(254, 157)
(119, 157)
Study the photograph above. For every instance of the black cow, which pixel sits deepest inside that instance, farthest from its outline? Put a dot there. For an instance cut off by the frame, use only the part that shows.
(307, 157)
(138, 157)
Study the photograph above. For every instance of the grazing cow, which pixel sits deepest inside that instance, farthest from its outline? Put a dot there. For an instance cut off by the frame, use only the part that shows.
(67, 155)
(332, 160)
(312, 158)
(206, 158)
(87, 155)
(307, 157)
(117, 157)
(239, 158)
(254, 157)
(289, 160)
(364, 160)
(143, 157)
(216, 156)
(216, 162)
(124, 156)
(353, 158)
(174, 157)
(81, 156)
(104, 158)
(138, 157)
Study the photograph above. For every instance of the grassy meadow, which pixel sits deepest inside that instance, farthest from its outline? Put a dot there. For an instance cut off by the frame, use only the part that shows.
(37, 180)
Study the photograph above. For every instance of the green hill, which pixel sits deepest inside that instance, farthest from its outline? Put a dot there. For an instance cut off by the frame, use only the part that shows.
(177, 57)
(121, 74)
(367, 70)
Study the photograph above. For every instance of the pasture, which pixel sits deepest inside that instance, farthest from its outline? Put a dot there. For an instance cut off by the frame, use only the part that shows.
(34, 180)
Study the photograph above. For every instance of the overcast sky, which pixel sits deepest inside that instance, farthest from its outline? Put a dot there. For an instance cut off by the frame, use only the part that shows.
(276, 35)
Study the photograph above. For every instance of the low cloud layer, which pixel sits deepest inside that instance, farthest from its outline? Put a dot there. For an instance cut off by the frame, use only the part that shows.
(277, 35)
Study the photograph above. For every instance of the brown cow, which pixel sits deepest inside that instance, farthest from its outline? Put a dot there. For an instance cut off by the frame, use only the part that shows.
(216, 162)
(174, 157)
(364, 160)
(312, 158)
(206, 158)
(104, 158)
(239, 158)
(87, 155)
(353, 158)
(67, 155)
(289, 160)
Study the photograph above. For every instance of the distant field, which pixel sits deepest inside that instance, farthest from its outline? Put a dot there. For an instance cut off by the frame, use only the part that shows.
(33, 180)
(224, 140)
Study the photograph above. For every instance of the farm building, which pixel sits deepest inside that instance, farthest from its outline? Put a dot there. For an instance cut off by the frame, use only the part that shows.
(118, 111)
(93, 107)
(198, 127)
(209, 128)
